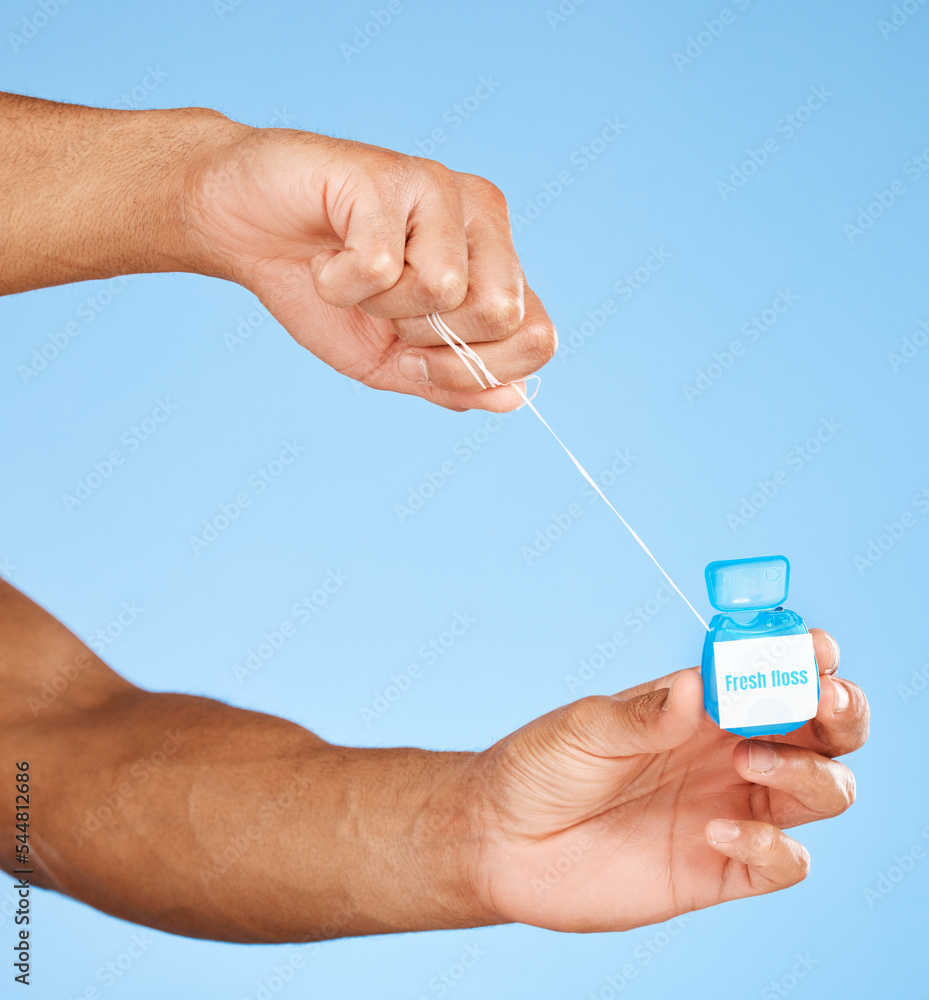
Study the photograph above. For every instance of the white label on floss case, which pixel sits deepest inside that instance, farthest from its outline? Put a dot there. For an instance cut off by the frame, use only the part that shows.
(766, 681)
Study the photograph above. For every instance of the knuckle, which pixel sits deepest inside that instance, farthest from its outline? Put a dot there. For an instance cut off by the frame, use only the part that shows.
(501, 312)
(421, 174)
(389, 169)
(441, 173)
(803, 863)
(847, 789)
(485, 190)
(860, 710)
(541, 343)
(444, 287)
(382, 269)
(766, 839)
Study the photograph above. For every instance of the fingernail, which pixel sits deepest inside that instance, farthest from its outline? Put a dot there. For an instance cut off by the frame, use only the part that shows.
(413, 367)
(834, 647)
(724, 831)
(667, 701)
(761, 757)
(841, 697)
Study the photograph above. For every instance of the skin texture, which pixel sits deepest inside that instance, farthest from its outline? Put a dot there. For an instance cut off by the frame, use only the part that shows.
(202, 819)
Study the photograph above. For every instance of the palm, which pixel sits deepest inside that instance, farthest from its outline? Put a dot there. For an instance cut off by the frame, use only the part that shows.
(355, 344)
(595, 843)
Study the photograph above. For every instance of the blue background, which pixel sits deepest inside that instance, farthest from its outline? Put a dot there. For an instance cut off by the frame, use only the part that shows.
(697, 460)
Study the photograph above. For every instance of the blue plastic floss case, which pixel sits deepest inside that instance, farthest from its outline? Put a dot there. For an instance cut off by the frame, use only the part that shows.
(759, 671)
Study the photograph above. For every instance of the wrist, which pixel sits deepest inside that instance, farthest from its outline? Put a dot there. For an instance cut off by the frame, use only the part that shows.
(408, 839)
(200, 138)
(450, 832)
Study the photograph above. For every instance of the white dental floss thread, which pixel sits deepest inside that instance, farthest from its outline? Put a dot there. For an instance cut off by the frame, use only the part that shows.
(470, 358)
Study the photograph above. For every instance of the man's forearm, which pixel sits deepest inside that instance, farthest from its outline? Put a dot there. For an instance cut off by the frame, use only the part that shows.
(201, 819)
(198, 818)
(91, 193)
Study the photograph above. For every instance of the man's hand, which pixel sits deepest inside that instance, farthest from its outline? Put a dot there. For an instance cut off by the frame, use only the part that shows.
(199, 818)
(615, 812)
(350, 246)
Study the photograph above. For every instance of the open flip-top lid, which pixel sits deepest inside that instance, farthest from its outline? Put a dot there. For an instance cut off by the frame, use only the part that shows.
(748, 584)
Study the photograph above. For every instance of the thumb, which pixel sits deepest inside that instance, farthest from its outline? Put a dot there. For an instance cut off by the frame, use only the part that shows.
(371, 259)
(618, 726)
